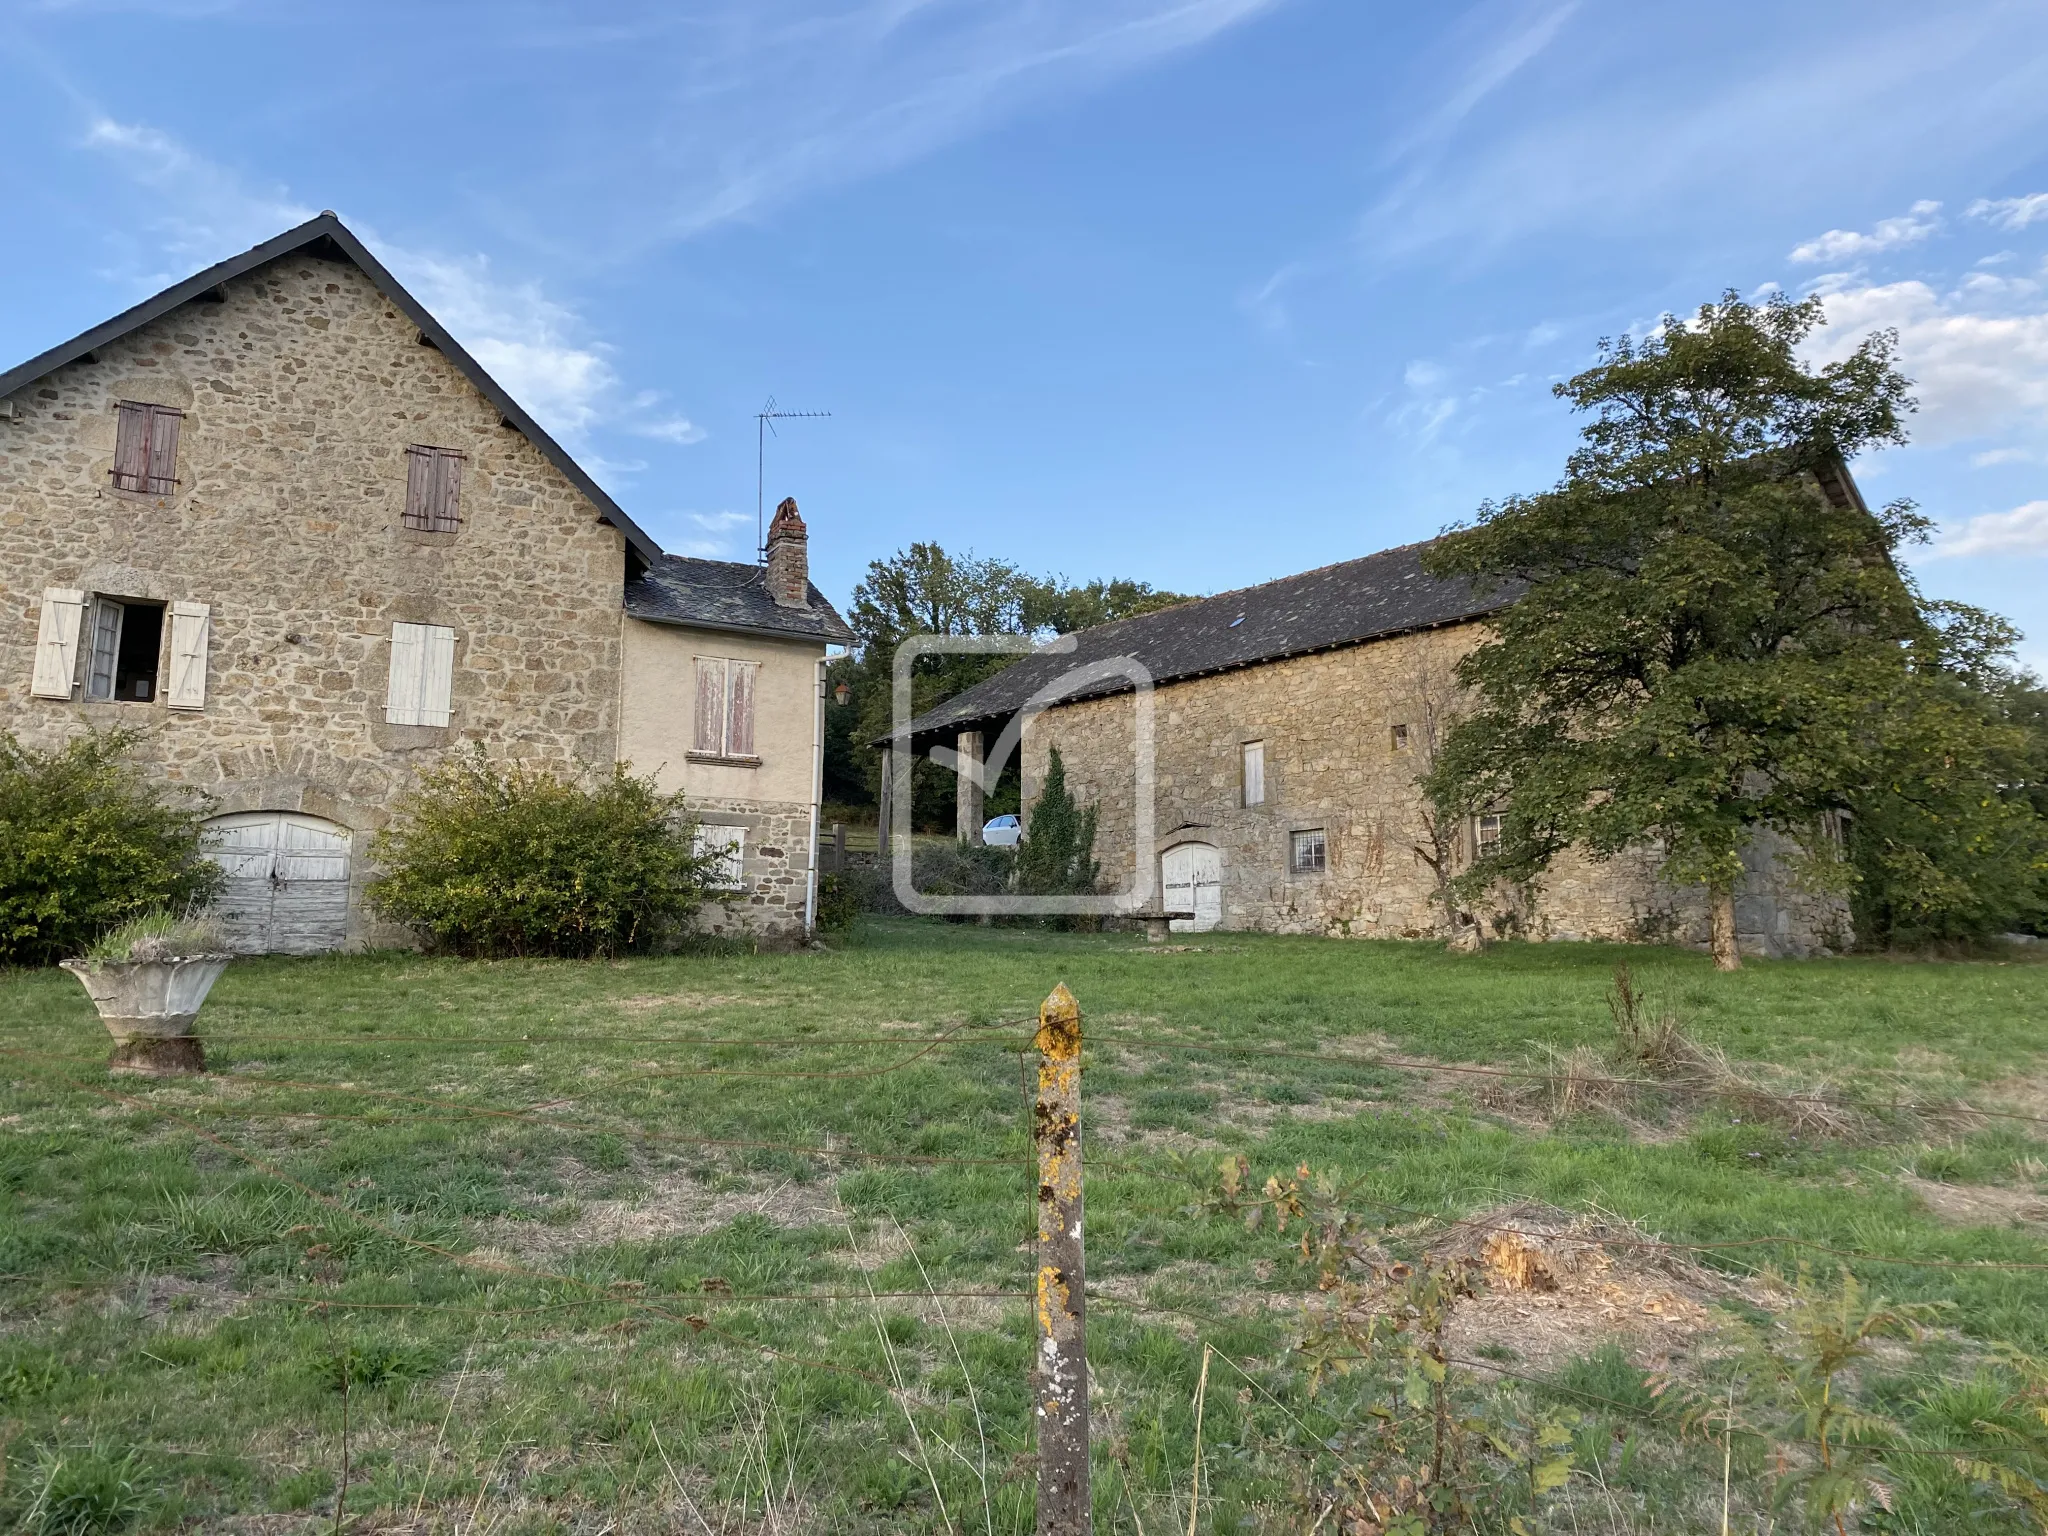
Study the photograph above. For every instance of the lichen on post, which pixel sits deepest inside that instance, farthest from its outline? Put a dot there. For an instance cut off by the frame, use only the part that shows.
(1062, 1367)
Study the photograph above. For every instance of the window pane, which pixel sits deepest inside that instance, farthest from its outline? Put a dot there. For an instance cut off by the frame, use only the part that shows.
(1311, 853)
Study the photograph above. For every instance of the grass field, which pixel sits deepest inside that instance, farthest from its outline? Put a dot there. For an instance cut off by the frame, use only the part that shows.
(641, 1306)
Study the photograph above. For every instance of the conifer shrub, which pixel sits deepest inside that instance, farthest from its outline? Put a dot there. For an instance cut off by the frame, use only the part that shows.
(87, 843)
(490, 861)
(1057, 855)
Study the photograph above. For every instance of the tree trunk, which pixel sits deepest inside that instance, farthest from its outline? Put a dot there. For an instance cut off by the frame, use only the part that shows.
(1727, 957)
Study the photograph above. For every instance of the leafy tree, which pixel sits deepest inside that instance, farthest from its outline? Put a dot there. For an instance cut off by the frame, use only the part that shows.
(923, 590)
(1951, 841)
(86, 843)
(1057, 856)
(1704, 644)
(492, 861)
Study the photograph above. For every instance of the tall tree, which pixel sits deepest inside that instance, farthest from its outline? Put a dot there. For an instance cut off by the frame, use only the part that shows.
(924, 590)
(1704, 643)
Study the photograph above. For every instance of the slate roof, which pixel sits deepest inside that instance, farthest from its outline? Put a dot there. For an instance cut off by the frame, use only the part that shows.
(724, 594)
(1338, 605)
(327, 238)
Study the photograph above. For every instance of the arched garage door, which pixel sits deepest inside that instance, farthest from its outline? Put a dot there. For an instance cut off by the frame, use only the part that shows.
(287, 881)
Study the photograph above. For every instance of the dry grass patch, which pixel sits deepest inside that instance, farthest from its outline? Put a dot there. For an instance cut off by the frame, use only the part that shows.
(672, 1204)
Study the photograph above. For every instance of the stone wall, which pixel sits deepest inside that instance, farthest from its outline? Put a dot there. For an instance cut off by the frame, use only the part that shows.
(775, 882)
(1335, 763)
(302, 389)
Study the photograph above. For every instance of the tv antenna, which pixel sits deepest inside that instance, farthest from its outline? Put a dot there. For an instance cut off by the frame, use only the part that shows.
(764, 423)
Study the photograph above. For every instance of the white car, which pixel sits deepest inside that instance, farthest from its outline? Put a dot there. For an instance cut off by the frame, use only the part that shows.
(1003, 831)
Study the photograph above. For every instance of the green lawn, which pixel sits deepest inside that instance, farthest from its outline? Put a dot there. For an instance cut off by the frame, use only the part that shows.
(163, 1290)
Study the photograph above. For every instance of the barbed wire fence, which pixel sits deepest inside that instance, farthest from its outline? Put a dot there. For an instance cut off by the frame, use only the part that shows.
(1057, 1173)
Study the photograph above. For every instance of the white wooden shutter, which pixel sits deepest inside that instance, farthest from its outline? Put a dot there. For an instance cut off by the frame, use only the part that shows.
(437, 675)
(408, 670)
(731, 844)
(1255, 773)
(739, 715)
(57, 642)
(709, 735)
(191, 631)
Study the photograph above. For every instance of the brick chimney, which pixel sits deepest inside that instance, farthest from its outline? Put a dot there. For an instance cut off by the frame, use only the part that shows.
(789, 560)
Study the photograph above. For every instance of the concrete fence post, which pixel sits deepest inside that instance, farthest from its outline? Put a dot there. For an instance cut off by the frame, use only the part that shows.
(1062, 1369)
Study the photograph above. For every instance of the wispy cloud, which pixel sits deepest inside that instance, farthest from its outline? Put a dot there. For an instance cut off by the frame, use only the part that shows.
(535, 345)
(2022, 531)
(205, 210)
(1847, 244)
(735, 107)
(2012, 212)
(673, 429)
(717, 534)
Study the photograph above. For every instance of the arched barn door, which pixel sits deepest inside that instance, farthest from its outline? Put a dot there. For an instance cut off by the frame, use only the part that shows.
(287, 881)
(1192, 877)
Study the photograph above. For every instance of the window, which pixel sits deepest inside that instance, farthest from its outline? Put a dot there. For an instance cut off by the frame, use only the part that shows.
(1255, 773)
(422, 674)
(1485, 836)
(146, 449)
(725, 709)
(730, 843)
(127, 639)
(433, 489)
(1311, 853)
(1400, 738)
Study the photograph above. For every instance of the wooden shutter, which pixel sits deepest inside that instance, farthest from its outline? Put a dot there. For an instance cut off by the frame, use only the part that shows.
(739, 731)
(163, 449)
(1255, 773)
(709, 735)
(106, 649)
(446, 513)
(437, 675)
(131, 447)
(191, 631)
(419, 487)
(730, 843)
(408, 669)
(57, 642)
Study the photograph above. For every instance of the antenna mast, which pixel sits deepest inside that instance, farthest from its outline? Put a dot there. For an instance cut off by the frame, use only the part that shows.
(764, 423)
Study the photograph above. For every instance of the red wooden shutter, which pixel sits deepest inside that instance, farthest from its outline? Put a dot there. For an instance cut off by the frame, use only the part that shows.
(739, 734)
(710, 733)
(419, 487)
(447, 513)
(163, 449)
(131, 447)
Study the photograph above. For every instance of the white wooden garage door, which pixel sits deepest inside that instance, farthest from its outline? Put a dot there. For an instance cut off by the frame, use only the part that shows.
(287, 881)
(1193, 880)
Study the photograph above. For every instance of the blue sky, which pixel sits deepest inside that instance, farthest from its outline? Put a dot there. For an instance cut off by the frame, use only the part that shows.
(1196, 291)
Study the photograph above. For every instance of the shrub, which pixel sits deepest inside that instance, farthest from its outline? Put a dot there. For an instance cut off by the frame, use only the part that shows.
(840, 903)
(86, 842)
(491, 861)
(1057, 856)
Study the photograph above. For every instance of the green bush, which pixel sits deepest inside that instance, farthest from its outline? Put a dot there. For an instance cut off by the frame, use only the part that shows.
(86, 843)
(490, 861)
(840, 903)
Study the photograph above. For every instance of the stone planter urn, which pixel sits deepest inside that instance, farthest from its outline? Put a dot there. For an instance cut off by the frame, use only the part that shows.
(149, 1007)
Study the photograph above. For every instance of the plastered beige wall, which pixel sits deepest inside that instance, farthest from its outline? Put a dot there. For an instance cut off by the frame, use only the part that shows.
(658, 725)
(773, 800)
(302, 390)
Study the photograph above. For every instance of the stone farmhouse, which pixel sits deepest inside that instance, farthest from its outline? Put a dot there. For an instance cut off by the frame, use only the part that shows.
(276, 521)
(1290, 723)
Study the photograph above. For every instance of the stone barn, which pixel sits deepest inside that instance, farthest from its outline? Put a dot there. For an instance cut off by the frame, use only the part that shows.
(1291, 722)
